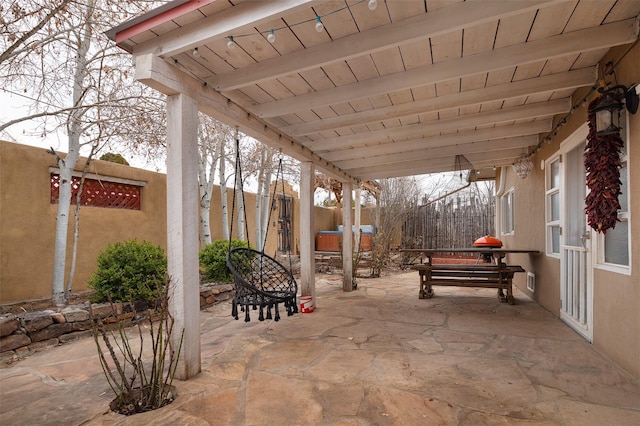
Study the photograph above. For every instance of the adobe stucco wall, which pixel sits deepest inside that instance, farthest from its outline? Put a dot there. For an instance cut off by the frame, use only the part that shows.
(27, 221)
(616, 297)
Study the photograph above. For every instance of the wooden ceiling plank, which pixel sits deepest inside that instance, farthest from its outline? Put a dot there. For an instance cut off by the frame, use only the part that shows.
(541, 126)
(437, 167)
(500, 116)
(573, 79)
(167, 79)
(622, 32)
(480, 157)
(380, 38)
(374, 160)
(235, 19)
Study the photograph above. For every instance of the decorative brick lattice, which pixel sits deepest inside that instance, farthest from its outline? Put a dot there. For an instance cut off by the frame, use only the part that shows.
(99, 193)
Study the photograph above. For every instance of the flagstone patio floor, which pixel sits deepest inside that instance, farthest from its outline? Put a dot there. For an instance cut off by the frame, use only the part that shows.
(374, 356)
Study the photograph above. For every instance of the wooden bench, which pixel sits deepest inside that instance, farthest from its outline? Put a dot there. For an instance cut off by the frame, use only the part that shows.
(481, 275)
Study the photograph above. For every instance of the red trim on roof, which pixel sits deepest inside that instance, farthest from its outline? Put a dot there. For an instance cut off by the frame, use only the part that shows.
(161, 19)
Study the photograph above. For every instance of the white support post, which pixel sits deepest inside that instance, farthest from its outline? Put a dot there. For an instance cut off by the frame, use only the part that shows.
(347, 239)
(307, 237)
(356, 224)
(182, 230)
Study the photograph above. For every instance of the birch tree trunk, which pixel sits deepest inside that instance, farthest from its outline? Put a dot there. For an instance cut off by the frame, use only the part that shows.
(67, 164)
(205, 182)
(240, 195)
(259, 200)
(224, 205)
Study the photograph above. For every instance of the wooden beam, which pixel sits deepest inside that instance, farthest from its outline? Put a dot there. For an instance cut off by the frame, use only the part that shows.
(548, 83)
(307, 237)
(243, 17)
(585, 40)
(183, 230)
(492, 133)
(168, 79)
(434, 23)
(347, 241)
(411, 168)
(443, 151)
(522, 112)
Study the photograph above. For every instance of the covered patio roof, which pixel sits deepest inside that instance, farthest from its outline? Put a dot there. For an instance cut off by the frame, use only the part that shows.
(394, 91)
(361, 90)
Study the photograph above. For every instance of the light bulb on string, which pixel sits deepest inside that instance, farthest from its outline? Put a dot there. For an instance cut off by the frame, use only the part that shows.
(195, 53)
(319, 25)
(372, 4)
(231, 44)
(271, 37)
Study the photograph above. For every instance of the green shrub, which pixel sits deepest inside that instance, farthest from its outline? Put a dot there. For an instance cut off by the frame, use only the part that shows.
(129, 271)
(213, 259)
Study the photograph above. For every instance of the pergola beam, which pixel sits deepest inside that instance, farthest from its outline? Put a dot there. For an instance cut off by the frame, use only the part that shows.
(443, 151)
(522, 112)
(492, 133)
(576, 42)
(532, 86)
(168, 79)
(499, 158)
(434, 23)
(244, 16)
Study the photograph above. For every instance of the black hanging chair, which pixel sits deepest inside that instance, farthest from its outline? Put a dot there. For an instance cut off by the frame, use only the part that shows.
(261, 282)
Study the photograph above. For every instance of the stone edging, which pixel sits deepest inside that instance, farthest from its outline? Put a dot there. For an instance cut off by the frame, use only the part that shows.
(23, 334)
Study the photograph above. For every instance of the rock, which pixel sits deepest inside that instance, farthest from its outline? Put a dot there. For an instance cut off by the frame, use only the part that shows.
(75, 314)
(81, 325)
(8, 357)
(101, 310)
(69, 337)
(53, 331)
(58, 318)
(13, 342)
(34, 321)
(45, 344)
(8, 325)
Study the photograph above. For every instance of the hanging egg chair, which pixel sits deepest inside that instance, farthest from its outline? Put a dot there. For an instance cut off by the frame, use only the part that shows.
(261, 282)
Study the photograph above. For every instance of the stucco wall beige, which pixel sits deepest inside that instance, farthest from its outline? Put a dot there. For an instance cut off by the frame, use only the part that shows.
(616, 296)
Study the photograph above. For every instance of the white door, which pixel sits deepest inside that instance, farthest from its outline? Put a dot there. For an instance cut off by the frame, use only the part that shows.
(575, 254)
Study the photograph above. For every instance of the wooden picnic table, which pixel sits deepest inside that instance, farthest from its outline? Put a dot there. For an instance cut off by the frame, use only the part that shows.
(493, 275)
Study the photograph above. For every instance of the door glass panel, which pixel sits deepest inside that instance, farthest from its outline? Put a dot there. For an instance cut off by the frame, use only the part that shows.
(555, 206)
(555, 239)
(616, 242)
(623, 196)
(555, 175)
(575, 195)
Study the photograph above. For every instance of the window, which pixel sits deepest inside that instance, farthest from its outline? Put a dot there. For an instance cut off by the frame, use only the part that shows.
(506, 203)
(614, 247)
(552, 206)
(100, 192)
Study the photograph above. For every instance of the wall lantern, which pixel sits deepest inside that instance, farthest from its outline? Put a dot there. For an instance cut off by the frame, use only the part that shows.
(608, 109)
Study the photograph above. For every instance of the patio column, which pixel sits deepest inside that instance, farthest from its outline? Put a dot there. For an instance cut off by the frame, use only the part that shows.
(307, 237)
(182, 230)
(356, 220)
(347, 241)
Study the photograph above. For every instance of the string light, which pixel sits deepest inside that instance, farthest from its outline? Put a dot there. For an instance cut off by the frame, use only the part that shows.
(195, 53)
(319, 25)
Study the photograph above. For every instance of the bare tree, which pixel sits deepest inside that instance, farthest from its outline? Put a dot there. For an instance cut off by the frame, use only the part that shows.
(396, 198)
(213, 136)
(79, 84)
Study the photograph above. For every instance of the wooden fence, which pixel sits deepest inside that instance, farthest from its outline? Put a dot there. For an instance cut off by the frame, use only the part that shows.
(454, 222)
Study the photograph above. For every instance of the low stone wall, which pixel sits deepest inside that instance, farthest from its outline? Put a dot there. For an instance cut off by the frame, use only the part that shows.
(28, 332)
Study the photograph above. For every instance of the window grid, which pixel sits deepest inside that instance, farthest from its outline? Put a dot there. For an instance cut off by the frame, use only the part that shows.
(99, 193)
